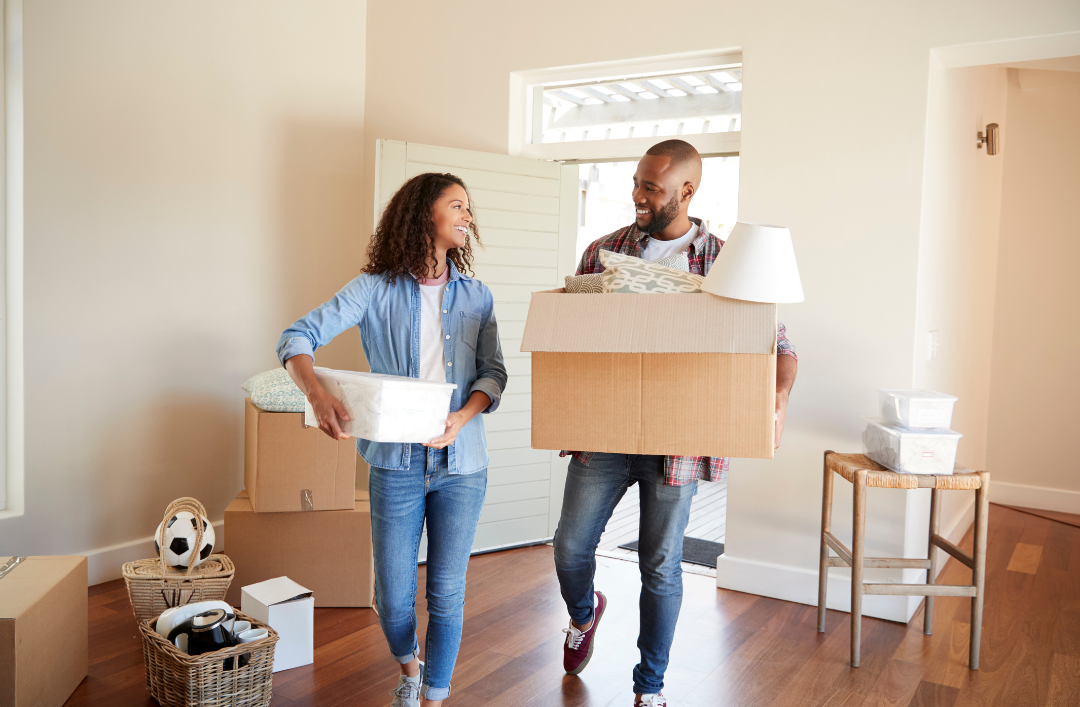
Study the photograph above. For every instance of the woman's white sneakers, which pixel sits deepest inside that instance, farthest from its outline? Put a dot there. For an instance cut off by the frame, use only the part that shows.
(651, 701)
(407, 692)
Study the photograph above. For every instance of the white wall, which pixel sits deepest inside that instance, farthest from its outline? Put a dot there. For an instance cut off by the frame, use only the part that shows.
(193, 184)
(834, 131)
(1034, 380)
(958, 247)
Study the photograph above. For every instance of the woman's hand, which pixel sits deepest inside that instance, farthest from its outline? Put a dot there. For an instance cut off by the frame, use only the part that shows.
(329, 412)
(478, 402)
(454, 422)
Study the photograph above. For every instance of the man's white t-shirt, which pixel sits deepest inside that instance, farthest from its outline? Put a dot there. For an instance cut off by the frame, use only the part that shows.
(657, 249)
(432, 360)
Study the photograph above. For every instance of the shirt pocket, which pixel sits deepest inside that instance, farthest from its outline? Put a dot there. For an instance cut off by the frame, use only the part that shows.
(470, 329)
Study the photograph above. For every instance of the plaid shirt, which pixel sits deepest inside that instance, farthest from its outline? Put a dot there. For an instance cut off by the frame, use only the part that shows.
(678, 471)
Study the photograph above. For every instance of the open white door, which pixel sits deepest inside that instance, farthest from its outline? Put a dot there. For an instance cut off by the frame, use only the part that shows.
(526, 210)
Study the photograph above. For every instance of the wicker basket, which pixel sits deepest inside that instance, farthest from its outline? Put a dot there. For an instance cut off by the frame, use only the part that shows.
(176, 679)
(153, 586)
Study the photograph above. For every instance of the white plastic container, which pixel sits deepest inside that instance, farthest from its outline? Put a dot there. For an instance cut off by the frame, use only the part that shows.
(910, 451)
(917, 409)
(387, 408)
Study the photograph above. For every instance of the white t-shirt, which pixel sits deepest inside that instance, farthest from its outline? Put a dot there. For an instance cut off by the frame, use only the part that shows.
(657, 249)
(432, 360)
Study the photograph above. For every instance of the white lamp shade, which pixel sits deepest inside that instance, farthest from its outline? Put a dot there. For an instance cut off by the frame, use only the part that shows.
(757, 263)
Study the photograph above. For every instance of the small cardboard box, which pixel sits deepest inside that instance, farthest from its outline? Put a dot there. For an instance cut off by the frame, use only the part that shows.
(290, 467)
(290, 610)
(683, 374)
(327, 551)
(44, 630)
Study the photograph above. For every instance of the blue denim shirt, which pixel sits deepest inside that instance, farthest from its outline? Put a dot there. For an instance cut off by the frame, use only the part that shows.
(388, 316)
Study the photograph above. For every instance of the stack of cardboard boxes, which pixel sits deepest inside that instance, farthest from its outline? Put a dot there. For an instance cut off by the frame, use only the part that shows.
(300, 514)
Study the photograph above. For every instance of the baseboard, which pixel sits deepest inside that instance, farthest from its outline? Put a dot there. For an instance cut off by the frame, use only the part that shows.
(106, 564)
(800, 585)
(1039, 497)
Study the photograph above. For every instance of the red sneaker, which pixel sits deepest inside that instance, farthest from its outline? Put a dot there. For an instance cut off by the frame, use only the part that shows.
(579, 644)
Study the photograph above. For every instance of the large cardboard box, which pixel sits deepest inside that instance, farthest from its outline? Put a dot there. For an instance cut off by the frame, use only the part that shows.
(290, 467)
(44, 630)
(685, 374)
(329, 552)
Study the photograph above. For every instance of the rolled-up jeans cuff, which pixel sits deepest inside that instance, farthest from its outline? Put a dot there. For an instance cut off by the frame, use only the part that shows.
(408, 658)
(434, 693)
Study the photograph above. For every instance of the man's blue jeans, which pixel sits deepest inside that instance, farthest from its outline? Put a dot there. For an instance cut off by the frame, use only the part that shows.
(401, 500)
(591, 494)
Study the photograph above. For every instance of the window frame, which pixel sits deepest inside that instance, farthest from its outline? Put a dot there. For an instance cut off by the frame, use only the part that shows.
(522, 113)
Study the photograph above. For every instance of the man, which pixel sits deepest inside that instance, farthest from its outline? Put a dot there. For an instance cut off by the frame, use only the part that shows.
(666, 180)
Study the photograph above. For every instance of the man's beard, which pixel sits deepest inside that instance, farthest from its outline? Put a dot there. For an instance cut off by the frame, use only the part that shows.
(662, 219)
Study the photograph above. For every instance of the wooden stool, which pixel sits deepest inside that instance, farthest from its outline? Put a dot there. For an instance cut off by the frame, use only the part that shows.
(862, 472)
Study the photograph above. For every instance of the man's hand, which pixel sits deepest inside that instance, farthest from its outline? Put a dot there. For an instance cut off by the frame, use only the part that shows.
(786, 368)
(329, 412)
(781, 413)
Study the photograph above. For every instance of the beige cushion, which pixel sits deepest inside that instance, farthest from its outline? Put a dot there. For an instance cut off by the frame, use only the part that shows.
(586, 284)
(625, 273)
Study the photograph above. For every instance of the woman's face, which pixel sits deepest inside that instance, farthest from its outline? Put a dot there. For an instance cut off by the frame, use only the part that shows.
(452, 218)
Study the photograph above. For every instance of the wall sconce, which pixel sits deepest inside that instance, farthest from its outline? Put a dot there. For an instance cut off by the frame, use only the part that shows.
(990, 139)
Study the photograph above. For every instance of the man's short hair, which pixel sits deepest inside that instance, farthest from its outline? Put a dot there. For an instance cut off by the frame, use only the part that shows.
(679, 151)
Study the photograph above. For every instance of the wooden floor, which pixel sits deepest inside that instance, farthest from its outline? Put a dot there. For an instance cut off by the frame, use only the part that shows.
(730, 648)
(708, 521)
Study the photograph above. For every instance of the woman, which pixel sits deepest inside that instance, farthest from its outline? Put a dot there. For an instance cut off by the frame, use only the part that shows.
(419, 315)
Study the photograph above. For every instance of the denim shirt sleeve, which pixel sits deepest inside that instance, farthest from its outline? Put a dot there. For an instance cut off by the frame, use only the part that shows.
(319, 326)
(490, 369)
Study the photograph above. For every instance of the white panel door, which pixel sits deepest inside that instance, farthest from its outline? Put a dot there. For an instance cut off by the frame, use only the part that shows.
(526, 210)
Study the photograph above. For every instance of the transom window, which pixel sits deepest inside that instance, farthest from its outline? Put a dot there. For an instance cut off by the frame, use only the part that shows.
(708, 100)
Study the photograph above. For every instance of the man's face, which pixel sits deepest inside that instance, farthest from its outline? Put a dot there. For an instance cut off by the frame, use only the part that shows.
(657, 193)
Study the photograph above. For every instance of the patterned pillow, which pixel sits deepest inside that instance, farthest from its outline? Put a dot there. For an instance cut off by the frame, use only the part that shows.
(679, 261)
(625, 273)
(274, 391)
(588, 284)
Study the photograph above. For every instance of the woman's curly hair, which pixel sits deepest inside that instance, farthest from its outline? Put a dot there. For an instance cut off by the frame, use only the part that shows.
(404, 240)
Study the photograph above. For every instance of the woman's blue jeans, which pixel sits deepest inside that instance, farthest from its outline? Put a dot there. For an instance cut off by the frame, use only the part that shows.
(591, 494)
(401, 501)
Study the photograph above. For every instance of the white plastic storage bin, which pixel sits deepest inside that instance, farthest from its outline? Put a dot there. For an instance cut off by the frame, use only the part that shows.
(910, 451)
(387, 408)
(917, 409)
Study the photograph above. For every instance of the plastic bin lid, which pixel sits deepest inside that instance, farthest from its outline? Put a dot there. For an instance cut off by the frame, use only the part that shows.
(916, 394)
(362, 377)
(906, 432)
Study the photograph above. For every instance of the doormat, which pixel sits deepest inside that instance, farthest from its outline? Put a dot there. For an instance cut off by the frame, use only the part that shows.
(694, 550)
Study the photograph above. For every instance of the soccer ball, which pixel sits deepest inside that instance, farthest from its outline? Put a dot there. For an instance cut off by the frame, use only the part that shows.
(180, 536)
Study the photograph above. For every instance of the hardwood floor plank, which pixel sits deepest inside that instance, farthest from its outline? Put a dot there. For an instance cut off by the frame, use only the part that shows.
(1066, 518)
(931, 694)
(898, 681)
(1025, 558)
(1064, 681)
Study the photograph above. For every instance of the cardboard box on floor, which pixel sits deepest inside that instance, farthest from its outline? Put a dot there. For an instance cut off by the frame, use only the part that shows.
(43, 630)
(290, 467)
(289, 609)
(329, 552)
(685, 374)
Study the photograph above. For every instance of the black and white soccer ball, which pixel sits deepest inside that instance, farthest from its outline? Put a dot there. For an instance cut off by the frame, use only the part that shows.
(180, 535)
